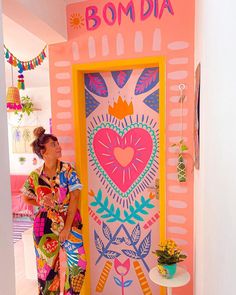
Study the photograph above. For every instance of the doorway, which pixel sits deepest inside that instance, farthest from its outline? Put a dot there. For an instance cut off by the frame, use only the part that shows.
(119, 114)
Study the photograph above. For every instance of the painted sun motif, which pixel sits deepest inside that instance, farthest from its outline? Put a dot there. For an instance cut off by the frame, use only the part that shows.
(76, 21)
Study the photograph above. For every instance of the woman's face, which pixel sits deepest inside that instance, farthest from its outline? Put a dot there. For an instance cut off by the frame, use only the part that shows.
(52, 150)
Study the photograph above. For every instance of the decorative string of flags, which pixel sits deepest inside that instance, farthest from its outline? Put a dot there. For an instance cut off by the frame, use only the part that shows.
(24, 65)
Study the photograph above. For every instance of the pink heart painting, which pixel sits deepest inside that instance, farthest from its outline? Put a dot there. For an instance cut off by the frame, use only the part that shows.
(123, 156)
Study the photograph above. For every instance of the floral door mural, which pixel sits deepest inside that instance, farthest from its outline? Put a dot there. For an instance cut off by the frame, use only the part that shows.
(122, 118)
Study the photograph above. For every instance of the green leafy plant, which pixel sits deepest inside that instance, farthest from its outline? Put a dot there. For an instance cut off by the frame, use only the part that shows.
(182, 147)
(27, 107)
(22, 160)
(181, 169)
(169, 253)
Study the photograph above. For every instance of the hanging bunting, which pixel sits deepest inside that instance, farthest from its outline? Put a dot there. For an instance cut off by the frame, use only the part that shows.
(24, 65)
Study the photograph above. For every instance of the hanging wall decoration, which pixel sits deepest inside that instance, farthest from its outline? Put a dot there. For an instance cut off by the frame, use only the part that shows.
(22, 136)
(181, 146)
(197, 115)
(24, 65)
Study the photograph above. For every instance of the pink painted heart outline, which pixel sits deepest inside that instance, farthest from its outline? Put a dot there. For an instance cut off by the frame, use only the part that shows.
(123, 175)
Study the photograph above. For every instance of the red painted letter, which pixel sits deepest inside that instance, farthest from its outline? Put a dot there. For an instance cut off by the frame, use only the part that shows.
(145, 14)
(91, 15)
(166, 4)
(112, 8)
(128, 9)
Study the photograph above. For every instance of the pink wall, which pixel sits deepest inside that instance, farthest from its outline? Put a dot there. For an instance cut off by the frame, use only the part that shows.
(172, 36)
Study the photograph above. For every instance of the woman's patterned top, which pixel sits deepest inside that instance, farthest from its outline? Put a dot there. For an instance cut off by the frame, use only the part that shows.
(38, 186)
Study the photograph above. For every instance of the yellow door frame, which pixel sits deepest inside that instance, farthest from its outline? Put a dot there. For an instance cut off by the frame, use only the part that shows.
(81, 143)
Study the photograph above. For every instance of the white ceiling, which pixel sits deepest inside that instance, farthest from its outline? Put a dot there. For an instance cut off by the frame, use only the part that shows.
(25, 46)
(23, 35)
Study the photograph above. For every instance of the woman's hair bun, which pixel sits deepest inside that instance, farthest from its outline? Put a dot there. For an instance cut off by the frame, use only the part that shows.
(39, 131)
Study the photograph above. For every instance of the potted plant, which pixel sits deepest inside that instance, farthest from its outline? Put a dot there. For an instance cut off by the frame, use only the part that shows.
(181, 168)
(27, 107)
(168, 255)
(22, 160)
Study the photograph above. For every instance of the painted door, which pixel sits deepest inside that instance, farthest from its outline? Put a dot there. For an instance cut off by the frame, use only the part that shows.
(122, 124)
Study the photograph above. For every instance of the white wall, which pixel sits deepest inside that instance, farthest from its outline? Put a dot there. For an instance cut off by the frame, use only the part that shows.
(7, 275)
(215, 182)
(42, 100)
(43, 18)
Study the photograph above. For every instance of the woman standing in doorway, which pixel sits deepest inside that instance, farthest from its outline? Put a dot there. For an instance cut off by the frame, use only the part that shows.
(55, 187)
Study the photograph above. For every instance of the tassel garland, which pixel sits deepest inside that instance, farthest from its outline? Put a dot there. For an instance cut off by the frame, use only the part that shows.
(24, 65)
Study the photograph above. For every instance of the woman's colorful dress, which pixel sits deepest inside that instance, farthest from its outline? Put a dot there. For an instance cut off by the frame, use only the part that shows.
(49, 222)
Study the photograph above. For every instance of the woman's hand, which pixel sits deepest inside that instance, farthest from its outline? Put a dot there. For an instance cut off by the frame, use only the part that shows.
(47, 200)
(63, 236)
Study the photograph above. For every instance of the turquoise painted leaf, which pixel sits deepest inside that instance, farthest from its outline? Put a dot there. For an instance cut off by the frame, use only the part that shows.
(106, 215)
(106, 202)
(100, 210)
(143, 211)
(150, 206)
(113, 219)
(137, 217)
(117, 212)
(93, 204)
(99, 196)
(131, 208)
(126, 213)
(137, 204)
(112, 208)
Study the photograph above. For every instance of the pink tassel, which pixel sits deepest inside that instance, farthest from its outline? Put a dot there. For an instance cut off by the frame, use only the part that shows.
(31, 65)
(10, 60)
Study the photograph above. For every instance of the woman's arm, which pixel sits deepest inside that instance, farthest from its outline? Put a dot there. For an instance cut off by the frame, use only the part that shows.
(73, 206)
(29, 201)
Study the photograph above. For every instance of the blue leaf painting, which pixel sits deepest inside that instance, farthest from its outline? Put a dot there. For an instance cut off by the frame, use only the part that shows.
(96, 84)
(128, 283)
(118, 282)
(152, 101)
(118, 241)
(131, 254)
(127, 241)
(145, 246)
(135, 236)
(109, 254)
(91, 103)
(98, 242)
(147, 80)
(121, 77)
(106, 231)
